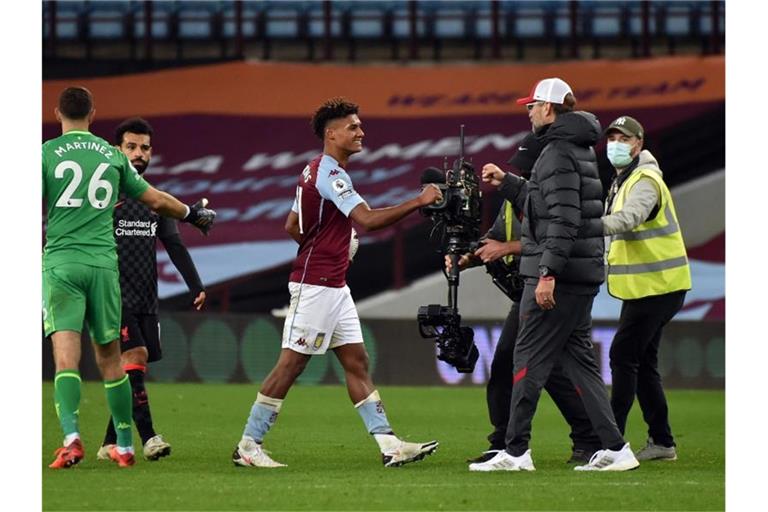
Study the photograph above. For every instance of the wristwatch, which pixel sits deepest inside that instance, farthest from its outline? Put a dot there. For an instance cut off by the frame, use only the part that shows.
(544, 271)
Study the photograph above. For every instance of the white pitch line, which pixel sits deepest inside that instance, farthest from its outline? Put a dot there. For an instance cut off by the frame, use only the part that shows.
(528, 483)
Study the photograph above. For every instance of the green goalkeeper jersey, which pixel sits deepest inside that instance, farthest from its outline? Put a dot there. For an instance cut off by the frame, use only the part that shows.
(83, 176)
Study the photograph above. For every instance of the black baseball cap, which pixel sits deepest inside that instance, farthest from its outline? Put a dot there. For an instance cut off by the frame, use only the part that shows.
(629, 126)
(527, 152)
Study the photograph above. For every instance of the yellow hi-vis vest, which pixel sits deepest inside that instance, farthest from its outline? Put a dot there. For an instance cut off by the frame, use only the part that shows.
(508, 231)
(651, 259)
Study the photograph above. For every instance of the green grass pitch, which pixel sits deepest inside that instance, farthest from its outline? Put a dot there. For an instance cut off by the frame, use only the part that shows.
(333, 464)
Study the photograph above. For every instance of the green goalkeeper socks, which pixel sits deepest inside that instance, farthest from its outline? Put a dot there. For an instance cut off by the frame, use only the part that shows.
(66, 395)
(121, 406)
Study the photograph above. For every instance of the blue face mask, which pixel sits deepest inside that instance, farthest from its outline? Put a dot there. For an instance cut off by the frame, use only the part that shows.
(619, 153)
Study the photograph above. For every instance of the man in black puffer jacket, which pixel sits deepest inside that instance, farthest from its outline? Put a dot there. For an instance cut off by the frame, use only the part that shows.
(562, 262)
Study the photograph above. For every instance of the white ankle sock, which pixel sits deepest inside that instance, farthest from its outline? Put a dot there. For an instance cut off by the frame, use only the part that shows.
(71, 437)
(122, 450)
(387, 442)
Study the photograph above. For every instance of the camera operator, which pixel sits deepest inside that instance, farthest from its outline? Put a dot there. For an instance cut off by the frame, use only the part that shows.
(500, 251)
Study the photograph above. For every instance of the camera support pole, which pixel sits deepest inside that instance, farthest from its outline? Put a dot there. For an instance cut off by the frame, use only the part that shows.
(455, 245)
(453, 283)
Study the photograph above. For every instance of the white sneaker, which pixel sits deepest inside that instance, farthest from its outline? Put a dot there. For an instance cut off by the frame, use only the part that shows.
(610, 460)
(156, 447)
(249, 453)
(505, 462)
(404, 452)
(103, 453)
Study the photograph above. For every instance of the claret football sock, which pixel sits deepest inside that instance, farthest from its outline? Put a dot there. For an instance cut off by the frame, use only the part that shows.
(119, 400)
(372, 411)
(66, 393)
(263, 415)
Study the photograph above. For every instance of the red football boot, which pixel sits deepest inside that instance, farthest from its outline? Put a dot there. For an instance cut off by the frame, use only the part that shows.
(124, 460)
(68, 456)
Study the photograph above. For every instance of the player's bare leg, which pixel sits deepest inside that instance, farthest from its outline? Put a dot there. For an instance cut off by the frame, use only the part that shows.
(108, 360)
(354, 359)
(66, 350)
(66, 355)
(118, 390)
(395, 452)
(265, 409)
(289, 366)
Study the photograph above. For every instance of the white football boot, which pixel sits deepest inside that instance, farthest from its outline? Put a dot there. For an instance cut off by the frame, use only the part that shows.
(156, 447)
(396, 452)
(103, 453)
(249, 453)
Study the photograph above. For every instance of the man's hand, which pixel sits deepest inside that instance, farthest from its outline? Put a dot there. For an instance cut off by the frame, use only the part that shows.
(464, 261)
(492, 250)
(545, 293)
(200, 216)
(199, 301)
(430, 195)
(492, 174)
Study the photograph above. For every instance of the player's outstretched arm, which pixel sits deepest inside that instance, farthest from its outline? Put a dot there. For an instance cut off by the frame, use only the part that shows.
(380, 218)
(168, 233)
(168, 206)
(163, 203)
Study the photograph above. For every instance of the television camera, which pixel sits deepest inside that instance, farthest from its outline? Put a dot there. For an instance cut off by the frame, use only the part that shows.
(457, 219)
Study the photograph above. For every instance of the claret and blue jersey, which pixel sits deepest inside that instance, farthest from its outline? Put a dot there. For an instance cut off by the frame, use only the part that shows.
(324, 199)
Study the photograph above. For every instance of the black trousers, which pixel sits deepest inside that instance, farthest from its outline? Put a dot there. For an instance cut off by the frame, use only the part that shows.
(498, 392)
(635, 362)
(564, 334)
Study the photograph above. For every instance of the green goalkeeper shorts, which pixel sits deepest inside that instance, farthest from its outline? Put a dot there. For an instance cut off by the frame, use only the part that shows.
(73, 292)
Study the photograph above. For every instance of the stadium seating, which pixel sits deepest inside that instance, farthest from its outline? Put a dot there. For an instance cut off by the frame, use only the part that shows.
(521, 25)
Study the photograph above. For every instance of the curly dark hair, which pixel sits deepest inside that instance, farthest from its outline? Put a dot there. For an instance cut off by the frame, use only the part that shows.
(334, 108)
(75, 103)
(133, 125)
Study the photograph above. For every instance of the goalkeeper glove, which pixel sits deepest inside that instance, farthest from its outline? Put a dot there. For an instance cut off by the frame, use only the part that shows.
(200, 216)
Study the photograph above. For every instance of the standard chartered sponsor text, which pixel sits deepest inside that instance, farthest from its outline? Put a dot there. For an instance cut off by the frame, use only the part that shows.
(135, 228)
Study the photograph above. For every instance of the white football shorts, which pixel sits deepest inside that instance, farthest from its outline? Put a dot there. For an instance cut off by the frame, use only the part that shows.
(320, 318)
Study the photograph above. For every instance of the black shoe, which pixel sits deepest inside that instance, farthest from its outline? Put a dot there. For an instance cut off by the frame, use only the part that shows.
(484, 457)
(581, 456)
